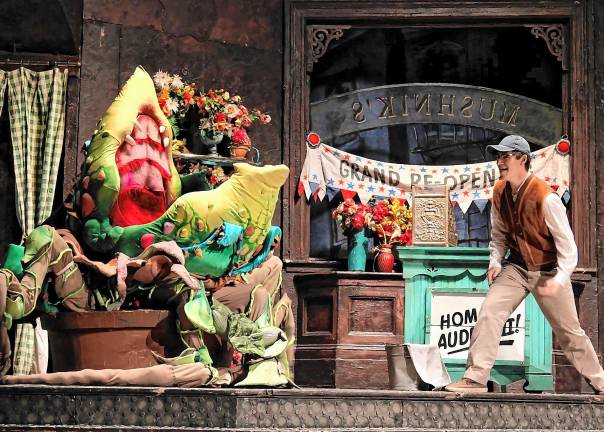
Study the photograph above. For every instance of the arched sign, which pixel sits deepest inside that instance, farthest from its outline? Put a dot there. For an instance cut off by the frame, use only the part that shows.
(453, 104)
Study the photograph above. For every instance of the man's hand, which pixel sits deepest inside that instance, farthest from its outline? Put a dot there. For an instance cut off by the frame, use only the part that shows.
(493, 273)
(548, 287)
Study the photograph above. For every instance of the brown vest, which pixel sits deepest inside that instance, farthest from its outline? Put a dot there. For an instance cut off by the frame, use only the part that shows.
(531, 244)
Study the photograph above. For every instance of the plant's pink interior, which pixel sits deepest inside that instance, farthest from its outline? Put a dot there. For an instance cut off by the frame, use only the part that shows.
(144, 170)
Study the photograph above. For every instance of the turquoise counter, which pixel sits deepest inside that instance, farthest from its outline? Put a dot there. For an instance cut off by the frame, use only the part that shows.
(444, 287)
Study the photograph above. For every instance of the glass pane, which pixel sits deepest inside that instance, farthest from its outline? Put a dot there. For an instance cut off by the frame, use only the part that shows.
(507, 58)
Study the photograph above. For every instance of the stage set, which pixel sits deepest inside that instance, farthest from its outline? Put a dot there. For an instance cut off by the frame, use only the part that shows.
(286, 215)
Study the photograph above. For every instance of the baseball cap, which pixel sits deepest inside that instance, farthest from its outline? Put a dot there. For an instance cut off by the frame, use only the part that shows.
(511, 143)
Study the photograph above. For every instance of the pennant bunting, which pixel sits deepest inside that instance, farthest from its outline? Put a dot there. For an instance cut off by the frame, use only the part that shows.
(327, 170)
(347, 194)
(481, 204)
(331, 192)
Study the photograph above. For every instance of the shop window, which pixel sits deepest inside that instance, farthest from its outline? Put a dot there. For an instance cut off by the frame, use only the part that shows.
(508, 59)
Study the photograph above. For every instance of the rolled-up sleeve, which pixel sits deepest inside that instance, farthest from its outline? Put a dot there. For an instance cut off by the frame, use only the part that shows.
(498, 246)
(556, 220)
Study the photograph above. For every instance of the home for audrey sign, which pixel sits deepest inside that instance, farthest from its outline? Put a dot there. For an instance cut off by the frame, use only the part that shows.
(452, 321)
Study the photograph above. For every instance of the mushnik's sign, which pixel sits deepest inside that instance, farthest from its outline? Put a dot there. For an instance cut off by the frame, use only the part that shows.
(452, 104)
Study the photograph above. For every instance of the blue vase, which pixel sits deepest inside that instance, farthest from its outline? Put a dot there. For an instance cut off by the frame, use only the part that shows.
(357, 250)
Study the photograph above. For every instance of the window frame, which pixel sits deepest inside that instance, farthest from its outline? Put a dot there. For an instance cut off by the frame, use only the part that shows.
(578, 103)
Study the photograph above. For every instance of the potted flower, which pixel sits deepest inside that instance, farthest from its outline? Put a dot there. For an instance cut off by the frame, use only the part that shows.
(224, 115)
(391, 221)
(352, 218)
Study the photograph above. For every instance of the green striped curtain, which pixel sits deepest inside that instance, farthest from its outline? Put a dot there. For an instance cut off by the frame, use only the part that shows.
(36, 106)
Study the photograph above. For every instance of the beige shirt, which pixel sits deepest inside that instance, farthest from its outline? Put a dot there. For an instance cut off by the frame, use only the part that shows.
(556, 220)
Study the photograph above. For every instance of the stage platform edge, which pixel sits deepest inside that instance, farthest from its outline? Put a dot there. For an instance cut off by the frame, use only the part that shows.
(39, 407)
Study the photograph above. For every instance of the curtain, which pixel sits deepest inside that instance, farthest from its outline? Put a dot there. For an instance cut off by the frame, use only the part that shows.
(36, 103)
(36, 106)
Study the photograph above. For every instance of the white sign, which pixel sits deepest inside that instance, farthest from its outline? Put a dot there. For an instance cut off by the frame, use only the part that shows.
(452, 321)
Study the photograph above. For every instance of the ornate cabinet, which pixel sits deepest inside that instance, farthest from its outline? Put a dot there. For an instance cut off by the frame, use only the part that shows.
(344, 321)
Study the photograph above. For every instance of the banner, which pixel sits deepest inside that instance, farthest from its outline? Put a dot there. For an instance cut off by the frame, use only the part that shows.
(327, 171)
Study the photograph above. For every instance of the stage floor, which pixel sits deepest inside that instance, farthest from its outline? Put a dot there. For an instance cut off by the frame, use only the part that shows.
(38, 407)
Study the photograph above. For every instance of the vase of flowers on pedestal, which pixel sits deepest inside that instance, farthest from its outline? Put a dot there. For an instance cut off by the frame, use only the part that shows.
(351, 217)
(222, 116)
(210, 139)
(391, 222)
(223, 113)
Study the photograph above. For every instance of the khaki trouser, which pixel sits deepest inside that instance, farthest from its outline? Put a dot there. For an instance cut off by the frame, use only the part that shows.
(241, 296)
(505, 294)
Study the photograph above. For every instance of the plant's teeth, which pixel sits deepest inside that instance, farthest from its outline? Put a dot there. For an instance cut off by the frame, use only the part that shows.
(130, 140)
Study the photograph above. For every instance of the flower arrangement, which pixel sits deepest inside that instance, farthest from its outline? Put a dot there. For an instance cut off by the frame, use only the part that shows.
(224, 114)
(391, 220)
(351, 216)
(175, 97)
(220, 112)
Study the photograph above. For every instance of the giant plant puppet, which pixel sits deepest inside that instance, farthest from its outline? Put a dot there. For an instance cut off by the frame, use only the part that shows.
(131, 197)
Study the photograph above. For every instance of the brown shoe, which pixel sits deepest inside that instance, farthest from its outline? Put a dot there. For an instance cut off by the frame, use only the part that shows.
(466, 385)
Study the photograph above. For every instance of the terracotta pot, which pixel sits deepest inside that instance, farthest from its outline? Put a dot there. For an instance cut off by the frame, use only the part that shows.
(239, 151)
(114, 340)
(384, 259)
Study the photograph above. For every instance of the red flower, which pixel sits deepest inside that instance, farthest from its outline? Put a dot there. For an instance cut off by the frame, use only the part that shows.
(358, 221)
(350, 215)
(240, 136)
(220, 117)
(187, 97)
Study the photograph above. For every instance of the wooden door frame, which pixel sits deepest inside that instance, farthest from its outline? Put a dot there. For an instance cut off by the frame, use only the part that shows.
(578, 104)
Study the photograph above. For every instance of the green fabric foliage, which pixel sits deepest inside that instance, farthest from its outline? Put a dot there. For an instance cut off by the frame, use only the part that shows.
(35, 241)
(12, 259)
(221, 315)
(196, 181)
(245, 336)
(203, 356)
(265, 373)
(198, 311)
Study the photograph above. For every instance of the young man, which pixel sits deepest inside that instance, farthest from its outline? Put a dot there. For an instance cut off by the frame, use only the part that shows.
(529, 221)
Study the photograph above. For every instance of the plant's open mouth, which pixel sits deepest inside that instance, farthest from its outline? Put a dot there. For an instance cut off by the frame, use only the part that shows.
(143, 164)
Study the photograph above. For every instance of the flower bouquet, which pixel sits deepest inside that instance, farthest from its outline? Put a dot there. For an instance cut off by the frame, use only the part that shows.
(352, 218)
(175, 98)
(223, 114)
(220, 113)
(391, 221)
